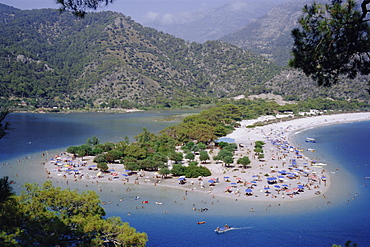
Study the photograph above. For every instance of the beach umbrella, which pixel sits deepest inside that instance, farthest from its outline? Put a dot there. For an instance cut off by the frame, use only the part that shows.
(238, 178)
(253, 182)
(266, 188)
(277, 186)
(211, 181)
(248, 190)
(226, 177)
(285, 185)
(181, 179)
(233, 183)
(228, 188)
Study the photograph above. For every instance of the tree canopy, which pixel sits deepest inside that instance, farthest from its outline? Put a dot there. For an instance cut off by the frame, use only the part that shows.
(51, 216)
(79, 7)
(332, 40)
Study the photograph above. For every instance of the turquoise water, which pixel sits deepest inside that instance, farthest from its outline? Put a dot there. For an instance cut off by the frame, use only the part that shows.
(312, 222)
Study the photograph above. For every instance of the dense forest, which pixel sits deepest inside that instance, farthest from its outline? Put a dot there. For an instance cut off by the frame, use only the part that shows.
(57, 60)
(53, 60)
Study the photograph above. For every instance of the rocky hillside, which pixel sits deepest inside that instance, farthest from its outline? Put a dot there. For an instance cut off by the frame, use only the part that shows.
(212, 24)
(270, 35)
(108, 56)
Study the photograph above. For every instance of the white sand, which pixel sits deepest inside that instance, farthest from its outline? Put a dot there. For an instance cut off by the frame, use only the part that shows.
(305, 173)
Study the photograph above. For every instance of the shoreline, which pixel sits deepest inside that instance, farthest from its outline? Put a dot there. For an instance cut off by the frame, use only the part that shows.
(309, 180)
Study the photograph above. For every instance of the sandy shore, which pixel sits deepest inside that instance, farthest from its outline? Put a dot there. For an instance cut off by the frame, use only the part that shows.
(285, 175)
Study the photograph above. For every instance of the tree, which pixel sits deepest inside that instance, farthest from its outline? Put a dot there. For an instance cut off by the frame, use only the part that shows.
(190, 156)
(84, 150)
(4, 126)
(228, 160)
(6, 190)
(164, 171)
(332, 40)
(103, 166)
(203, 156)
(176, 156)
(243, 161)
(72, 150)
(51, 216)
(79, 7)
(202, 146)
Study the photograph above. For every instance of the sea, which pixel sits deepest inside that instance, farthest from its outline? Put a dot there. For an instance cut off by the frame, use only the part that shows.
(339, 216)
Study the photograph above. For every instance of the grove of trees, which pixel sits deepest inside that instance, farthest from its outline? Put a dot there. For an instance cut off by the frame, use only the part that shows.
(50, 216)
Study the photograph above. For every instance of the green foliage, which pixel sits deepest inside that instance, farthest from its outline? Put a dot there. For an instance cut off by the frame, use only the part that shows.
(103, 166)
(113, 155)
(201, 146)
(261, 156)
(190, 156)
(73, 150)
(118, 61)
(332, 40)
(164, 171)
(6, 190)
(244, 161)
(49, 216)
(84, 150)
(203, 156)
(176, 156)
(4, 126)
(191, 171)
(100, 159)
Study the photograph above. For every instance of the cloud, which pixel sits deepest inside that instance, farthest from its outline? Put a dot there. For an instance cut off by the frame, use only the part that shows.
(237, 5)
(168, 18)
(152, 16)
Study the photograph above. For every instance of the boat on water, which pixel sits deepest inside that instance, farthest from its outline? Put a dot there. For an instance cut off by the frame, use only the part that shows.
(311, 140)
(201, 222)
(226, 228)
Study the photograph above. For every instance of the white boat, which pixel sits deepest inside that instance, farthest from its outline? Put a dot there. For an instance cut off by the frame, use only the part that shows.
(312, 140)
(223, 229)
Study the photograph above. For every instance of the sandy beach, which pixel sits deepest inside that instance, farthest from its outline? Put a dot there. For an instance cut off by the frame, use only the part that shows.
(285, 174)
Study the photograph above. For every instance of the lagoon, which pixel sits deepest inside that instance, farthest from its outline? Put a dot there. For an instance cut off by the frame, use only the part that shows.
(313, 222)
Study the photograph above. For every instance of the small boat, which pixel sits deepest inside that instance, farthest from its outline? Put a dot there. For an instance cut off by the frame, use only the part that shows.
(311, 140)
(137, 198)
(145, 202)
(222, 230)
(201, 222)
(226, 228)
(159, 203)
(311, 150)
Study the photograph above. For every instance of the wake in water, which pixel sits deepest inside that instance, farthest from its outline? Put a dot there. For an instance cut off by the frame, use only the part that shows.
(241, 228)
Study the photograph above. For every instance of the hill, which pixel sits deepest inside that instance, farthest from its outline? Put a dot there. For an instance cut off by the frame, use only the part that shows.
(61, 60)
(106, 59)
(212, 24)
(270, 35)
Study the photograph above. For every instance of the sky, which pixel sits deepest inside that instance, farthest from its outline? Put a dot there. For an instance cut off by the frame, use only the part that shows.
(141, 11)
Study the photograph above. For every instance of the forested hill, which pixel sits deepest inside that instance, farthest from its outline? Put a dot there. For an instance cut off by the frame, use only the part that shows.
(58, 60)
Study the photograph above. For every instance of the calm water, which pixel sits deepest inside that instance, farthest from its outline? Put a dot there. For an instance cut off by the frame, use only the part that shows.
(304, 223)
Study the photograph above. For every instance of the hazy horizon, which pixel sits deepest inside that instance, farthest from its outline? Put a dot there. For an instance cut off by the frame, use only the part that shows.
(144, 11)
